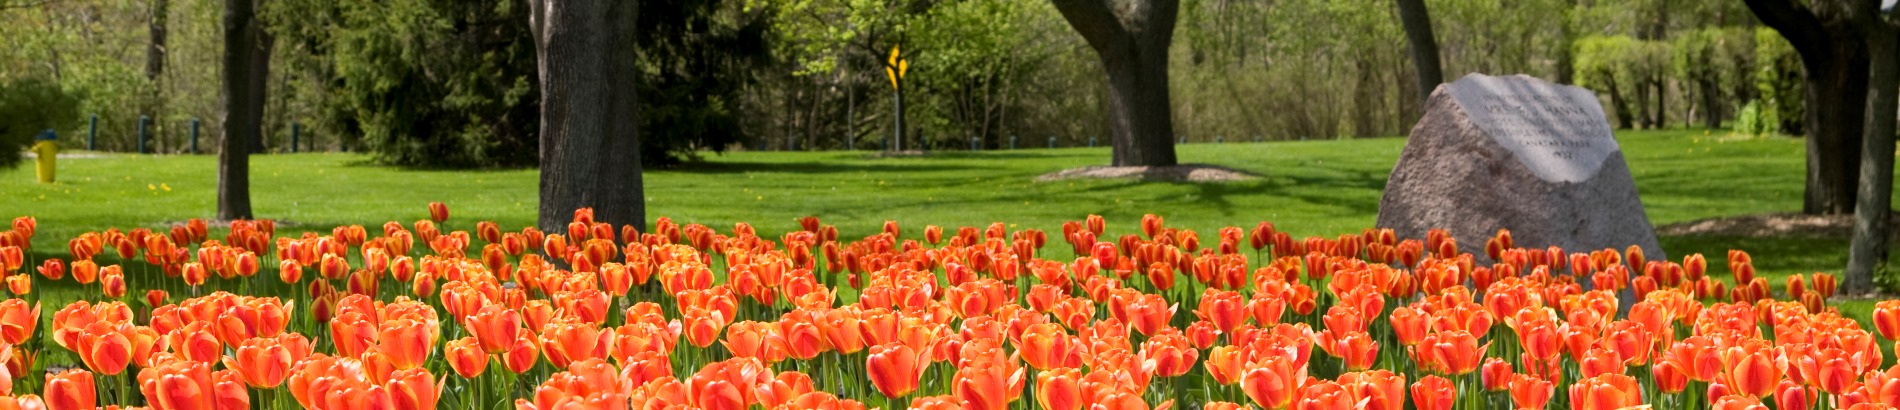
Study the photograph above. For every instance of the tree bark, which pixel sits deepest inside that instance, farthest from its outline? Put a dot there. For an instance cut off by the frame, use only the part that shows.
(241, 118)
(1418, 33)
(260, 84)
(1867, 253)
(1834, 55)
(590, 142)
(1132, 37)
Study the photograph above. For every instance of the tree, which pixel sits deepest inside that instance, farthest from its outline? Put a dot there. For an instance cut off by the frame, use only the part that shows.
(1871, 212)
(1418, 32)
(1834, 55)
(1132, 37)
(590, 142)
(244, 111)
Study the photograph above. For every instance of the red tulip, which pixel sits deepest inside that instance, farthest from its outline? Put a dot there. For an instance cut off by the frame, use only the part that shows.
(1434, 393)
(894, 368)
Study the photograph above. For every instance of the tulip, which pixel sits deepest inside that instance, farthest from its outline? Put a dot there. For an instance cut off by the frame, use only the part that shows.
(70, 390)
(414, 389)
(466, 357)
(1409, 325)
(1047, 346)
(894, 368)
(521, 356)
(20, 284)
(495, 327)
(1170, 355)
(1271, 384)
(1059, 389)
(1454, 352)
(1434, 393)
(1887, 318)
(1225, 309)
(438, 212)
(988, 384)
(1496, 374)
(1530, 392)
(1605, 392)
(1324, 395)
(262, 362)
(112, 282)
(17, 321)
(1754, 374)
(1670, 377)
(84, 272)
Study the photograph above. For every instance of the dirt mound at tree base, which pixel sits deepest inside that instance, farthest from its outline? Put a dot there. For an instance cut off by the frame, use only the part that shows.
(1772, 225)
(1176, 173)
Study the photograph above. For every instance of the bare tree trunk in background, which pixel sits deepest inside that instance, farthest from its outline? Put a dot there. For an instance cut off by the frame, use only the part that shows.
(242, 114)
(260, 84)
(1566, 56)
(1868, 252)
(590, 142)
(1132, 38)
(1834, 55)
(155, 57)
(1418, 33)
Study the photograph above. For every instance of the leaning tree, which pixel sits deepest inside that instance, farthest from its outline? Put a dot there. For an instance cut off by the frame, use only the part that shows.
(1834, 57)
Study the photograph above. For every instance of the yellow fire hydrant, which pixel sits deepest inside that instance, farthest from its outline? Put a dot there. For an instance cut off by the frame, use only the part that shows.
(48, 153)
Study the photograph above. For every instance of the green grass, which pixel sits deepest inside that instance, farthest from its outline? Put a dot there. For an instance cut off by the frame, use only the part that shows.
(1310, 188)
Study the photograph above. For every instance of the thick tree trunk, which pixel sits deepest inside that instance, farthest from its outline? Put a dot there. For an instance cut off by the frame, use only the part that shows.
(1618, 105)
(1834, 55)
(590, 144)
(1132, 38)
(155, 50)
(1418, 33)
(242, 115)
(1711, 104)
(1868, 252)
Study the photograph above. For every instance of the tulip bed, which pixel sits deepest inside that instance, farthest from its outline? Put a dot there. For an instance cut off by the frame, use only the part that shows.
(600, 316)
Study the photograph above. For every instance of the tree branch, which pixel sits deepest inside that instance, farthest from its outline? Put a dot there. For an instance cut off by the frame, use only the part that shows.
(1094, 20)
(1797, 23)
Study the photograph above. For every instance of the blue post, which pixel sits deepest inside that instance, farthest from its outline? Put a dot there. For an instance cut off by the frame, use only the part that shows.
(295, 128)
(975, 144)
(1052, 142)
(1256, 139)
(1183, 140)
(194, 136)
(1012, 142)
(1220, 139)
(144, 122)
(92, 133)
(1091, 141)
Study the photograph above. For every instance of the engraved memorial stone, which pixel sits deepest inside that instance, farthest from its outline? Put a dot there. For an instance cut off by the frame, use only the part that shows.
(1516, 153)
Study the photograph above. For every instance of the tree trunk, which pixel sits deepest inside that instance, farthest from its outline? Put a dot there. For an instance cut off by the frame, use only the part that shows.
(1418, 33)
(1868, 252)
(1132, 38)
(1834, 55)
(1711, 104)
(260, 84)
(1617, 103)
(1566, 37)
(241, 116)
(590, 143)
(155, 49)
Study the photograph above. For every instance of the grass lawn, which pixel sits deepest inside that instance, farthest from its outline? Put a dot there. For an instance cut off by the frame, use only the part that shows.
(1310, 188)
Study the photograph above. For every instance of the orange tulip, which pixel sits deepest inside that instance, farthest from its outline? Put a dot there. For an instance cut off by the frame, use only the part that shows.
(1670, 377)
(466, 357)
(1887, 318)
(438, 212)
(1409, 325)
(262, 362)
(1225, 309)
(414, 389)
(17, 321)
(407, 342)
(495, 327)
(1754, 374)
(84, 271)
(290, 271)
(1169, 354)
(1324, 395)
(1047, 346)
(112, 281)
(71, 390)
(1434, 393)
(1605, 392)
(104, 348)
(522, 355)
(988, 384)
(567, 342)
(1496, 374)
(1271, 383)
(1453, 352)
(1059, 389)
(1530, 392)
(894, 368)
(20, 284)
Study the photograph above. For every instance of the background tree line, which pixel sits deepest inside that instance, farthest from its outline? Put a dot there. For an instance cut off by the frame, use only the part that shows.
(452, 84)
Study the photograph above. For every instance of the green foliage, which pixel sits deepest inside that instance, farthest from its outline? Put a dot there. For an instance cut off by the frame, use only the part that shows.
(697, 58)
(437, 83)
(1778, 79)
(27, 107)
(1753, 120)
